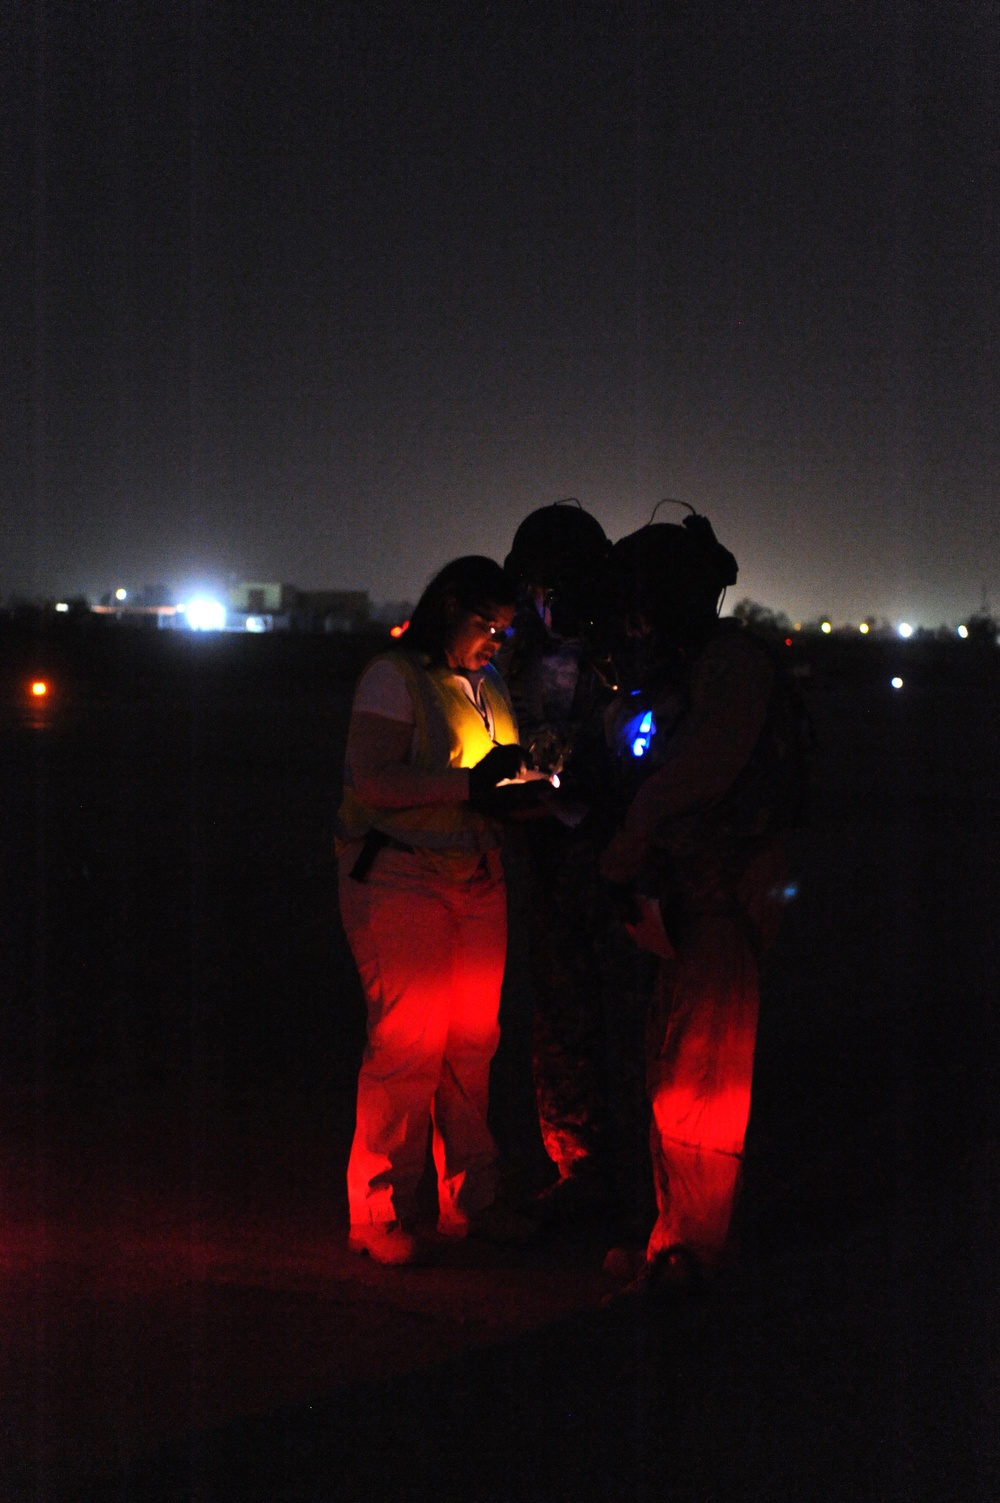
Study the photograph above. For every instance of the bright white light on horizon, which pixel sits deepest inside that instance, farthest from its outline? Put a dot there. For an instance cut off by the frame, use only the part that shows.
(121, 594)
(864, 628)
(905, 629)
(897, 683)
(256, 624)
(963, 631)
(206, 615)
(826, 627)
(61, 605)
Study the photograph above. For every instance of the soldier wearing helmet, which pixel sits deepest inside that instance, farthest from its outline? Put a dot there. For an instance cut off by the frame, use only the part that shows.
(556, 560)
(707, 742)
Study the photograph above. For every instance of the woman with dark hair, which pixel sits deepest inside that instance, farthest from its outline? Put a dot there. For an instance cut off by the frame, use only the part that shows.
(422, 898)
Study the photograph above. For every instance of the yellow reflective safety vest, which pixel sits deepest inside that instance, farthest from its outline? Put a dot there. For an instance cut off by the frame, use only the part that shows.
(450, 732)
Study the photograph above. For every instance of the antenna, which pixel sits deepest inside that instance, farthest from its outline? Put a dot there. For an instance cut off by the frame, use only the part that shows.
(669, 501)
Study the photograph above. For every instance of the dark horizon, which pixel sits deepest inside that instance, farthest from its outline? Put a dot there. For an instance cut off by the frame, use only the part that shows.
(331, 297)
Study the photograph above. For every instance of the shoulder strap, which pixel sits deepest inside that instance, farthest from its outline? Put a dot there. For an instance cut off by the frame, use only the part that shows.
(498, 695)
(433, 741)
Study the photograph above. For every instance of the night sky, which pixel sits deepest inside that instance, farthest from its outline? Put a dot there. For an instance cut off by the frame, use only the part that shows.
(332, 292)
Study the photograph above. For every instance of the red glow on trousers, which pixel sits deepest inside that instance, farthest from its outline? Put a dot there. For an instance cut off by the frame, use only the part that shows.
(430, 954)
(563, 1148)
(699, 1077)
(701, 1043)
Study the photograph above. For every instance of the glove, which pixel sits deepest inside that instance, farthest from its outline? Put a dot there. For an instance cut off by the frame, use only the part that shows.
(515, 802)
(502, 762)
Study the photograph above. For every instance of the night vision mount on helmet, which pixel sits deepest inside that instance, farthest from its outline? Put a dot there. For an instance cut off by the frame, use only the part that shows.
(559, 553)
(671, 575)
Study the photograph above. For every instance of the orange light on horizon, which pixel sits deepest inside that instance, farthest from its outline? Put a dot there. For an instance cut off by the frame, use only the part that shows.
(397, 631)
(39, 688)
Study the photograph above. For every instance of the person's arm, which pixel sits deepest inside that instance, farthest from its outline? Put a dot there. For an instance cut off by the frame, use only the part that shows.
(730, 695)
(377, 752)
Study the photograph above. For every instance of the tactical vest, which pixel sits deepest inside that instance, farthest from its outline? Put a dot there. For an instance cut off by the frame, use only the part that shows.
(449, 732)
(699, 857)
(770, 794)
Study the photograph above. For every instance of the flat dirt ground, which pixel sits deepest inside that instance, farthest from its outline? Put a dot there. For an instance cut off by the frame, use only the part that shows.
(181, 1027)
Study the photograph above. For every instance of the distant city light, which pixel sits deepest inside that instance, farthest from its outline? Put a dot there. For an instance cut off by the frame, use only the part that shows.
(397, 631)
(256, 624)
(826, 626)
(206, 615)
(61, 605)
(905, 629)
(39, 688)
(963, 632)
(864, 628)
(897, 683)
(121, 594)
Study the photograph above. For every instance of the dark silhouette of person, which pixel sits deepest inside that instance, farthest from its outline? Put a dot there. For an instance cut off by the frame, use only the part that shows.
(556, 560)
(709, 751)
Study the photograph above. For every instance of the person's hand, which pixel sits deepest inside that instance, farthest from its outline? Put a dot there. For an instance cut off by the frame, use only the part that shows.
(498, 765)
(512, 803)
(648, 931)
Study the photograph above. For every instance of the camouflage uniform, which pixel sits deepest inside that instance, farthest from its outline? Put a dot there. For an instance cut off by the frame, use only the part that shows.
(559, 701)
(705, 830)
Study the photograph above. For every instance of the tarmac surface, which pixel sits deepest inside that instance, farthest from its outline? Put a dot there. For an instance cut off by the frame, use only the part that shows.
(181, 1319)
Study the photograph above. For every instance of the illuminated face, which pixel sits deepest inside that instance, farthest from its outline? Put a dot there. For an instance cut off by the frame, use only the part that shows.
(475, 636)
